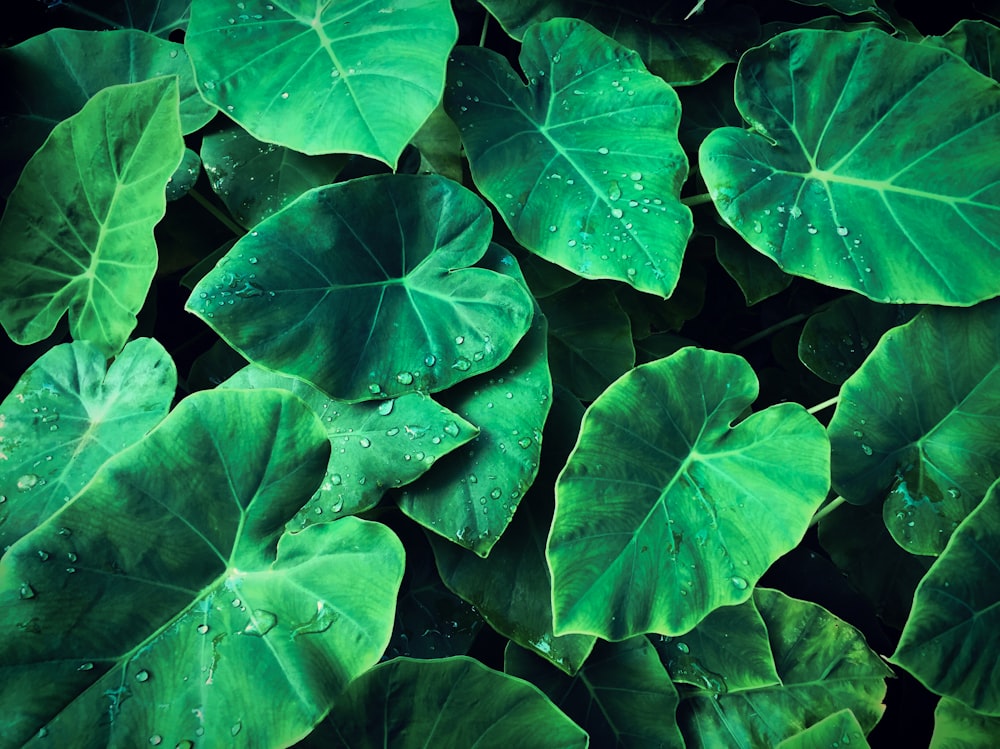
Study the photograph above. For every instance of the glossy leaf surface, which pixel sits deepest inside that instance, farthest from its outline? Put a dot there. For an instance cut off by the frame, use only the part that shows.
(371, 74)
(824, 665)
(82, 241)
(949, 642)
(813, 186)
(585, 170)
(383, 261)
(68, 414)
(839, 729)
(918, 424)
(186, 618)
(665, 510)
(410, 704)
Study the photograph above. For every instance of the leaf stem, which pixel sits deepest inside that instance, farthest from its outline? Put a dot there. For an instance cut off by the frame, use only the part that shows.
(825, 404)
(767, 331)
(826, 509)
(486, 25)
(697, 199)
(201, 200)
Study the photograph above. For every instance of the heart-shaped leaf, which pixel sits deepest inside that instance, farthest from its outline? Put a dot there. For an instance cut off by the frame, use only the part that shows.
(68, 414)
(586, 170)
(161, 607)
(324, 77)
(815, 187)
(83, 241)
(918, 424)
(665, 511)
(383, 261)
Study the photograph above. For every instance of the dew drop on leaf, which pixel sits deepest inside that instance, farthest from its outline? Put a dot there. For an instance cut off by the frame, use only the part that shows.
(739, 583)
(261, 622)
(142, 676)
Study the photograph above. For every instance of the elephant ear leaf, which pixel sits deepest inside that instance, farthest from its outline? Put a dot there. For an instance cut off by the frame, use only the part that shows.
(164, 605)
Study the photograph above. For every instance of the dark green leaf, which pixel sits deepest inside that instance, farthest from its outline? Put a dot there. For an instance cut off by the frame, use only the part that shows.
(958, 727)
(976, 42)
(839, 729)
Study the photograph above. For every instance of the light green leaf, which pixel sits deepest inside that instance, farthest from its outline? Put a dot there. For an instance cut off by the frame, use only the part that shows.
(728, 651)
(256, 179)
(665, 510)
(622, 697)
(824, 665)
(814, 187)
(679, 47)
(383, 261)
(958, 727)
(374, 446)
(918, 424)
(322, 77)
(412, 704)
(976, 42)
(839, 729)
(949, 642)
(472, 494)
(169, 611)
(82, 240)
(68, 414)
(586, 170)
(54, 74)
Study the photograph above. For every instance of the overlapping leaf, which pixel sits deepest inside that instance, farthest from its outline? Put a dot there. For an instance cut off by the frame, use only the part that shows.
(824, 665)
(976, 42)
(958, 727)
(665, 511)
(160, 606)
(949, 642)
(322, 77)
(814, 186)
(363, 288)
(840, 728)
(583, 164)
(919, 424)
(68, 414)
(82, 240)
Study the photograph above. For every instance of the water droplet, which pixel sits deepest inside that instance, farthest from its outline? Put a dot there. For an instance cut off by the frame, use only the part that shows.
(284, 95)
(842, 231)
(202, 629)
(385, 407)
(553, 228)
(795, 211)
(25, 591)
(430, 360)
(451, 429)
(614, 191)
(261, 622)
(617, 212)
(236, 727)
(404, 378)
(758, 227)
(336, 479)
(461, 364)
(321, 621)
(374, 388)
(739, 583)
(142, 676)
(603, 151)
(365, 442)
(866, 449)
(85, 667)
(43, 555)
(524, 442)
(683, 647)
(459, 339)
(26, 482)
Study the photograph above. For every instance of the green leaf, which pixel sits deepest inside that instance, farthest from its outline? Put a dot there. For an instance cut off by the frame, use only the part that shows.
(849, 7)
(836, 340)
(622, 697)
(974, 42)
(383, 261)
(440, 146)
(949, 642)
(590, 338)
(457, 701)
(839, 729)
(82, 240)
(958, 727)
(918, 424)
(373, 445)
(322, 77)
(729, 650)
(660, 509)
(813, 186)
(256, 179)
(472, 494)
(679, 47)
(756, 275)
(52, 75)
(184, 177)
(68, 414)
(585, 170)
(159, 17)
(168, 610)
(824, 665)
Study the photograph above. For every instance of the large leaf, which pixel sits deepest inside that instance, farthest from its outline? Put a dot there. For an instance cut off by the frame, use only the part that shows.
(453, 702)
(159, 17)
(68, 414)
(586, 170)
(54, 74)
(383, 262)
(665, 511)
(322, 77)
(472, 494)
(958, 727)
(919, 424)
(257, 179)
(814, 187)
(840, 728)
(975, 42)
(165, 609)
(622, 697)
(824, 666)
(949, 642)
(82, 239)
(374, 446)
